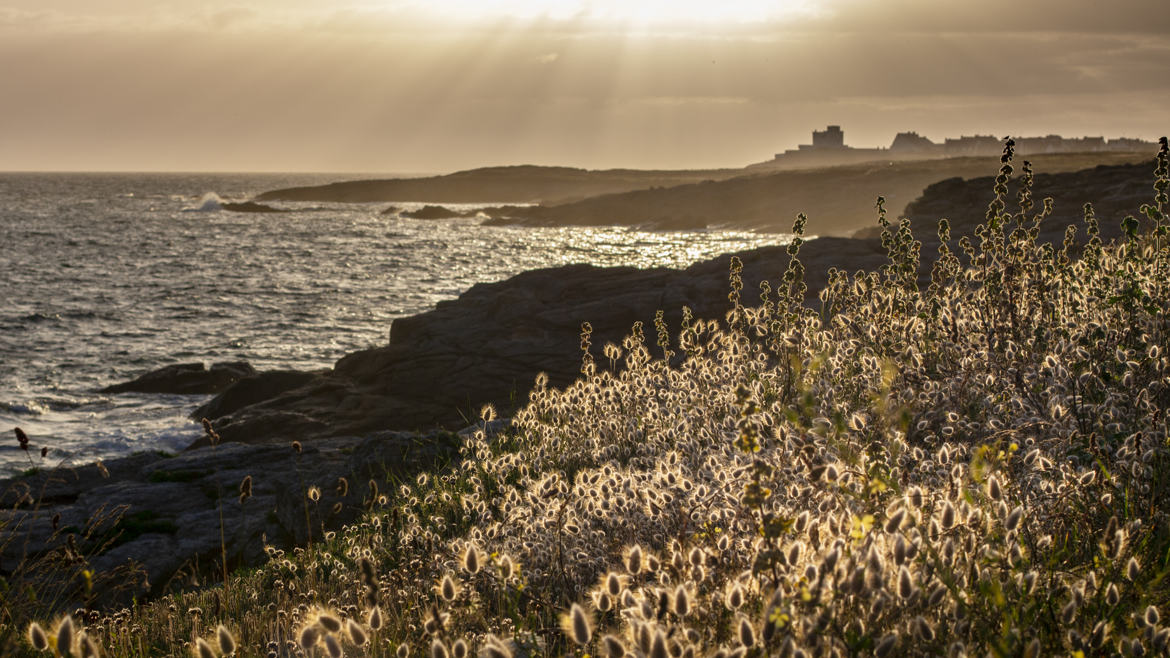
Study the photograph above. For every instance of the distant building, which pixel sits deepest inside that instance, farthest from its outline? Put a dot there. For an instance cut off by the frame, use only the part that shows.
(828, 148)
(829, 138)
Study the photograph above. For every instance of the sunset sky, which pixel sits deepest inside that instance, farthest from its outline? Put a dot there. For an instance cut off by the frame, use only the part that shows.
(439, 85)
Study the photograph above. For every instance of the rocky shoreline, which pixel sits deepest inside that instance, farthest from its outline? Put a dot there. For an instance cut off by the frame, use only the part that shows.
(396, 410)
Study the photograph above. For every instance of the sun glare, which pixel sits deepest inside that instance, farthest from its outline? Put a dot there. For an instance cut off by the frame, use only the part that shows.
(628, 12)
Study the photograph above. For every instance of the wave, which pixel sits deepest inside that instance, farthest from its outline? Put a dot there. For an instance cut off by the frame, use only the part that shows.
(210, 202)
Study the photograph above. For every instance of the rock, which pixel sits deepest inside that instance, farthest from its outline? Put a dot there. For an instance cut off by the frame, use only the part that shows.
(251, 206)
(186, 379)
(252, 389)
(432, 212)
(158, 515)
(390, 210)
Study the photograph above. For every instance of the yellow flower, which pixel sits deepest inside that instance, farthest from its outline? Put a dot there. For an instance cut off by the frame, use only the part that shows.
(861, 526)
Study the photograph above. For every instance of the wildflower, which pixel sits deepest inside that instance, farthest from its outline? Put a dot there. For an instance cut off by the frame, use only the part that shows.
(1013, 520)
(1132, 569)
(308, 637)
(682, 603)
(747, 635)
(37, 637)
(905, 583)
(375, 618)
(634, 560)
(203, 649)
(447, 588)
(885, 645)
(494, 647)
(470, 562)
(329, 622)
(576, 625)
(87, 648)
(227, 643)
(613, 646)
(355, 633)
(993, 488)
(333, 646)
(65, 635)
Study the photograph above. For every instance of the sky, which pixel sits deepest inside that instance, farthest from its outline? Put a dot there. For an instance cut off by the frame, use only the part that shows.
(425, 86)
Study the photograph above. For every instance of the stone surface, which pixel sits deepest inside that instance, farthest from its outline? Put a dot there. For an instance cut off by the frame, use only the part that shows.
(160, 515)
(186, 379)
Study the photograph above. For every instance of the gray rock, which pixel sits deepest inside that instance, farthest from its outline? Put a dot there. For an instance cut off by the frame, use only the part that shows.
(186, 378)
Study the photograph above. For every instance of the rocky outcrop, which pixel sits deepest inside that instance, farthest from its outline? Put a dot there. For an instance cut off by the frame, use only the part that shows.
(487, 346)
(516, 184)
(837, 200)
(432, 212)
(1114, 191)
(252, 389)
(186, 379)
(158, 515)
(251, 206)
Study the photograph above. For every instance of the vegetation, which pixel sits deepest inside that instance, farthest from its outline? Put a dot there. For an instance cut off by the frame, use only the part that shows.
(979, 465)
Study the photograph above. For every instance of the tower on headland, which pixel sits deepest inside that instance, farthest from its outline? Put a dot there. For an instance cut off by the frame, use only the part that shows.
(830, 138)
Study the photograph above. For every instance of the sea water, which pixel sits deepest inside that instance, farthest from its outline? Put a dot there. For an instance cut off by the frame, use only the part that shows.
(106, 276)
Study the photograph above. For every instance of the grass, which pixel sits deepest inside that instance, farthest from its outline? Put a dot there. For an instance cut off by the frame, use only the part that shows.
(974, 466)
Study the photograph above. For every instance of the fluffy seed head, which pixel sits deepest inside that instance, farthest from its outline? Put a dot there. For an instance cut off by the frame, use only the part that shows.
(470, 561)
(37, 637)
(333, 646)
(438, 649)
(1132, 569)
(447, 588)
(1013, 520)
(613, 646)
(308, 638)
(227, 643)
(355, 633)
(329, 622)
(576, 625)
(86, 646)
(747, 634)
(634, 560)
(65, 636)
(375, 618)
(203, 649)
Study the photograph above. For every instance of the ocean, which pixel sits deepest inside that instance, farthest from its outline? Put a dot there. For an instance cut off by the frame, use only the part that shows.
(106, 276)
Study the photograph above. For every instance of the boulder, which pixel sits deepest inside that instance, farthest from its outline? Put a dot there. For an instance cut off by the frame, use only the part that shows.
(186, 379)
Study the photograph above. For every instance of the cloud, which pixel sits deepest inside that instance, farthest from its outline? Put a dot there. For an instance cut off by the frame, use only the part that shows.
(548, 58)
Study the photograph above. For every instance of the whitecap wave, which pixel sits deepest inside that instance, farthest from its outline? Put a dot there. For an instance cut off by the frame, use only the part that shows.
(210, 202)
